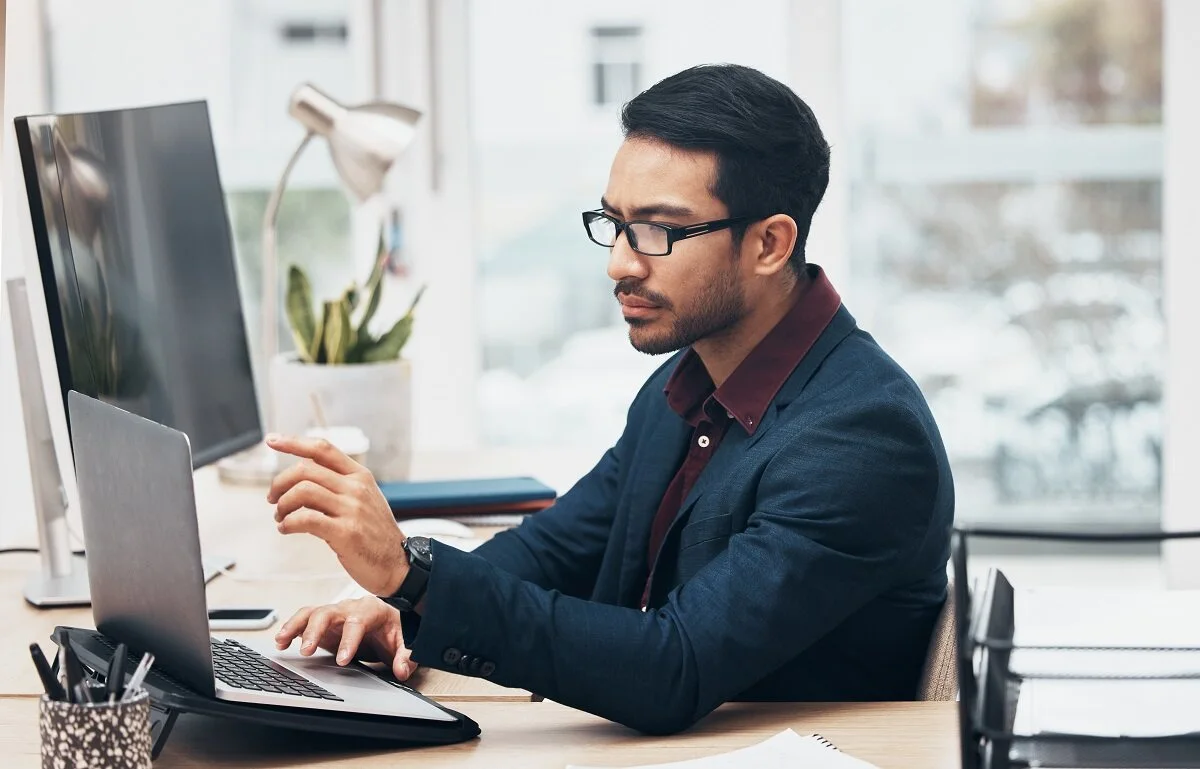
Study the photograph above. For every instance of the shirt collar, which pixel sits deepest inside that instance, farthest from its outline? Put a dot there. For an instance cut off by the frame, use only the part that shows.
(749, 390)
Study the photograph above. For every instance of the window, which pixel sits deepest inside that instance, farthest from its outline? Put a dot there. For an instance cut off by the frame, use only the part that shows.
(1006, 202)
(296, 32)
(616, 70)
(557, 370)
(94, 53)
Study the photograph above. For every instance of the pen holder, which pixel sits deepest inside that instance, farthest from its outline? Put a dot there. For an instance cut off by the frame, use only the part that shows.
(115, 736)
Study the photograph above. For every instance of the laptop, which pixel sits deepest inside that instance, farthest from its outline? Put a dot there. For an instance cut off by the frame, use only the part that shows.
(138, 506)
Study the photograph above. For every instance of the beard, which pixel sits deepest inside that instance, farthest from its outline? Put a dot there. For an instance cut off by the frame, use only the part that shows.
(717, 309)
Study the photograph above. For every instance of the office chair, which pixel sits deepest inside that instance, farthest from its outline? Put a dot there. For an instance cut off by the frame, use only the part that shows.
(939, 679)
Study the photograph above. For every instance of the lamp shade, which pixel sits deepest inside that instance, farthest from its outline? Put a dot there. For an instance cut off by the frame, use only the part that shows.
(364, 141)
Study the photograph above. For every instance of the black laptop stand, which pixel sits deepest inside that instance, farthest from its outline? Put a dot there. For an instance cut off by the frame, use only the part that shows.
(989, 689)
(169, 698)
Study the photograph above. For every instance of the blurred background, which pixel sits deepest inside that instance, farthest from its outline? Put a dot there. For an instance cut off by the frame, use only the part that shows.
(995, 216)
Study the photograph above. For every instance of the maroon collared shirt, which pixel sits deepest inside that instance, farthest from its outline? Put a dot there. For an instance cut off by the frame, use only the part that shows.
(742, 398)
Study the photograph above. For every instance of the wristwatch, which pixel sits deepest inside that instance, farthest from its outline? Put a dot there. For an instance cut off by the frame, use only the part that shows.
(420, 564)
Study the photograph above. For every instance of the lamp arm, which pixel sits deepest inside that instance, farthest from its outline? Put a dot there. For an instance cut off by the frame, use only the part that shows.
(270, 289)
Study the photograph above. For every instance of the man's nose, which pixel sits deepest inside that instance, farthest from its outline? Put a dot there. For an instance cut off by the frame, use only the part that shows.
(624, 262)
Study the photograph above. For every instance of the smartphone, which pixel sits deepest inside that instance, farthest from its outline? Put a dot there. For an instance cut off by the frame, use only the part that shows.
(240, 619)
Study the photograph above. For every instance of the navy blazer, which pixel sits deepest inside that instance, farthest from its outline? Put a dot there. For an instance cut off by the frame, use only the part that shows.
(807, 563)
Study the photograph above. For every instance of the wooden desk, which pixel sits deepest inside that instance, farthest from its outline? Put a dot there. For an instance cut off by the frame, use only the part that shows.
(286, 573)
(891, 735)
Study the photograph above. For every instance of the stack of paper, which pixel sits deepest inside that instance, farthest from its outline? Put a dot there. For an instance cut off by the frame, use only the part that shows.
(1166, 623)
(786, 750)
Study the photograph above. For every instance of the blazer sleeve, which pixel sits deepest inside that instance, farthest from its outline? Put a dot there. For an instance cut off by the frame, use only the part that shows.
(560, 547)
(841, 512)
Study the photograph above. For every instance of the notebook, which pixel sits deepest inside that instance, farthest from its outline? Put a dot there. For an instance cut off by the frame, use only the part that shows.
(472, 496)
(786, 750)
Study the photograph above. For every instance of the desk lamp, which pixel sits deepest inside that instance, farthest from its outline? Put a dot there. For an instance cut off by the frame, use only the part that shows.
(364, 141)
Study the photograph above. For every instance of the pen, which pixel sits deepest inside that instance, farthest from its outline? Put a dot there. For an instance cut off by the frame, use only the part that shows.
(82, 697)
(135, 681)
(116, 673)
(53, 688)
(70, 663)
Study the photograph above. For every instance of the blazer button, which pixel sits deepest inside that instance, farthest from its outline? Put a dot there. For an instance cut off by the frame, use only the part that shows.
(487, 668)
(475, 666)
(464, 663)
(451, 656)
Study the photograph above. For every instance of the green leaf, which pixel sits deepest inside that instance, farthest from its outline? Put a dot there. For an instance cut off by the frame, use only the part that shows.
(373, 288)
(363, 342)
(317, 351)
(390, 344)
(347, 302)
(337, 332)
(299, 308)
(417, 298)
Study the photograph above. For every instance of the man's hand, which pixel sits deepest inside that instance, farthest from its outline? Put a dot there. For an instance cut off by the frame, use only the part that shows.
(331, 496)
(363, 628)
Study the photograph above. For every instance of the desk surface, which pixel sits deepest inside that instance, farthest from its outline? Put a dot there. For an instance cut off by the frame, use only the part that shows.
(284, 573)
(890, 735)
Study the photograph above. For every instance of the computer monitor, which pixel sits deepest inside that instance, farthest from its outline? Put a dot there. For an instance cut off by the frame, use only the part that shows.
(136, 260)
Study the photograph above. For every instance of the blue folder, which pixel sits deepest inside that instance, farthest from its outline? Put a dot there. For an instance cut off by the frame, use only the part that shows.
(467, 497)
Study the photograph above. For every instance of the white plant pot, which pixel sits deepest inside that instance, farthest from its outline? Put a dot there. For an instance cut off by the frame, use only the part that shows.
(374, 397)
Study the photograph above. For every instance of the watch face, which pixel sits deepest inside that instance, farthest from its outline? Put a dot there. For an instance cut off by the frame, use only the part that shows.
(419, 551)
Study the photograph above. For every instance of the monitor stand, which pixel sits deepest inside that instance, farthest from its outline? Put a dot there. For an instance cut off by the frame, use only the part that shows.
(46, 591)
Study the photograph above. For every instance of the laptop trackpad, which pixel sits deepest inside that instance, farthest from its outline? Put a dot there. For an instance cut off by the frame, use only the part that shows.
(322, 669)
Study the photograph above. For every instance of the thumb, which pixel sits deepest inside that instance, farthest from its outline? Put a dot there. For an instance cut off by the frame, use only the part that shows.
(402, 665)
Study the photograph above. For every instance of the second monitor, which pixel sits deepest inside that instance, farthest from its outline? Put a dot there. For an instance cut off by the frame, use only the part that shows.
(136, 258)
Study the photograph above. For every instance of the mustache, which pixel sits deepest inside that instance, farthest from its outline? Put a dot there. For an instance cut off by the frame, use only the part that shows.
(634, 288)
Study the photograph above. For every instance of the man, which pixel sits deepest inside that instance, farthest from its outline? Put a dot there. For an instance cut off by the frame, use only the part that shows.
(774, 522)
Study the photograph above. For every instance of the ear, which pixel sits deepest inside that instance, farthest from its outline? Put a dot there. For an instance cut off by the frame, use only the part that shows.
(771, 242)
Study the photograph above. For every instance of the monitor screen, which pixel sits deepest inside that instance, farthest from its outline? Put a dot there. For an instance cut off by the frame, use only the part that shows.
(136, 258)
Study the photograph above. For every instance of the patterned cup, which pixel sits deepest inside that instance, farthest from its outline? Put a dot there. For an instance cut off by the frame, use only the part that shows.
(115, 736)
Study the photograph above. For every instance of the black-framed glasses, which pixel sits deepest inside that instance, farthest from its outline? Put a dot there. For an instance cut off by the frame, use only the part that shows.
(650, 238)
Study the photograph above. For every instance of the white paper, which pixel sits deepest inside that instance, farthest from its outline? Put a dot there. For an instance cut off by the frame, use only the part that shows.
(786, 750)
(1165, 619)
(1109, 708)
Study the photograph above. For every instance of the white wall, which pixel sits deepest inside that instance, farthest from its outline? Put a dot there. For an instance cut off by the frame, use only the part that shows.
(1181, 276)
(23, 94)
(815, 73)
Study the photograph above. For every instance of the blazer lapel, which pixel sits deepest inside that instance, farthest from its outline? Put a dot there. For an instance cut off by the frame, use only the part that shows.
(736, 442)
(842, 325)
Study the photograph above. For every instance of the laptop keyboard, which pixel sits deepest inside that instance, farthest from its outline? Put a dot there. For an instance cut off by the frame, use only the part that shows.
(238, 665)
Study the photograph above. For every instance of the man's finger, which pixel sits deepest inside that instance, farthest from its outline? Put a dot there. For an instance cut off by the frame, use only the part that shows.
(293, 627)
(305, 470)
(353, 630)
(402, 665)
(307, 494)
(318, 450)
(318, 623)
(305, 521)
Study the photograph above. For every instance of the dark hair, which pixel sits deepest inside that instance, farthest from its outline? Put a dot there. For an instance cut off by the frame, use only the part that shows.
(771, 155)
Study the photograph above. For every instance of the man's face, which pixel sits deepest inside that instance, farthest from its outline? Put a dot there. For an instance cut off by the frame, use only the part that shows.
(693, 293)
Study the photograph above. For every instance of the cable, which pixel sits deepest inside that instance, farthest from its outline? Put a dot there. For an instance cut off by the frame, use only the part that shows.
(35, 550)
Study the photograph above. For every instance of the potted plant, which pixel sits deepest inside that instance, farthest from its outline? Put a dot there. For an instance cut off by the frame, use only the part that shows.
(343, 374)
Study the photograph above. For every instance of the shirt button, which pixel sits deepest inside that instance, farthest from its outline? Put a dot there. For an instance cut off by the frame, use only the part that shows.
(703, 441)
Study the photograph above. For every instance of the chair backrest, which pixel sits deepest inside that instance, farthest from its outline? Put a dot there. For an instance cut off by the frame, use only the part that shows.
(939, 679)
